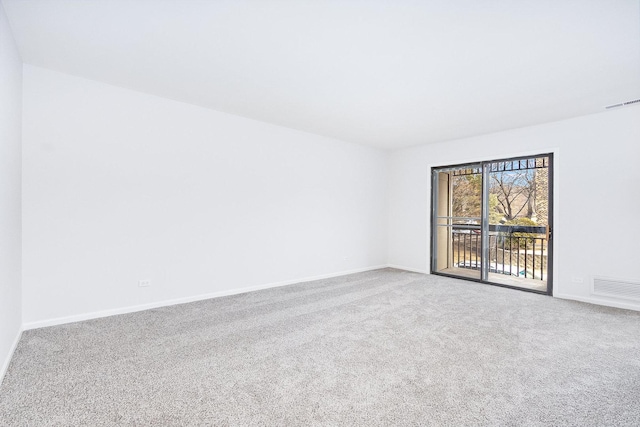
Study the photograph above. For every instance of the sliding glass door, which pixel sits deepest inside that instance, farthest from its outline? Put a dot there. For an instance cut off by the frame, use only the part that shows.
(492, 222)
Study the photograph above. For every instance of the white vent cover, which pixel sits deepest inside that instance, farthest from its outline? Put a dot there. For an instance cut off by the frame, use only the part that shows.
(617, 288)
(622, 104)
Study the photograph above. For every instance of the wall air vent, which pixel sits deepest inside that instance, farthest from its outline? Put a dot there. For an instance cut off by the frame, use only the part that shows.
(622, 104)
(616, 288)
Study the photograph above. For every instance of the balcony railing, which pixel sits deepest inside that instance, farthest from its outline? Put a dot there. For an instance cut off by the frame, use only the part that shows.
(517, 251)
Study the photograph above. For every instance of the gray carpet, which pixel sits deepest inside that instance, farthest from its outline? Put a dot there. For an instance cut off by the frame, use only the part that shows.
(384, 347)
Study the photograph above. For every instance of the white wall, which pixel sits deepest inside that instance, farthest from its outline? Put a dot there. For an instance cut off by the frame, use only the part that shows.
(10, 176)
(597, 195)
(121, 186)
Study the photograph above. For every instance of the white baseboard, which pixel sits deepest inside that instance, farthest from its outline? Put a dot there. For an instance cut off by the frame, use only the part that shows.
(131, 309)
(7, 361)
(413, 270)
(599, 301)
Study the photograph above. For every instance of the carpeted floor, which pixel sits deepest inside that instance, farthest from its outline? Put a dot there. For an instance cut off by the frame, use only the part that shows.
(384, 347)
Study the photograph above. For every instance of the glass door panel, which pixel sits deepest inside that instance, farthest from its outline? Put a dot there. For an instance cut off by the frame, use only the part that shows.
(457, 221)
(518, 222)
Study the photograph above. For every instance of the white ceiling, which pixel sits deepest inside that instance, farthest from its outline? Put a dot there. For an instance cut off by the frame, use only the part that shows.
(384, 73)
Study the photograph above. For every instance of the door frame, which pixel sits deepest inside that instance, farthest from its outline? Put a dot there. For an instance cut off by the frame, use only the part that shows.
(552, 155)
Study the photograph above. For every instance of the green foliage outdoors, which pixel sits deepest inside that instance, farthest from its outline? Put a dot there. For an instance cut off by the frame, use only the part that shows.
(467, 196)
(512, 201)
(521, 240)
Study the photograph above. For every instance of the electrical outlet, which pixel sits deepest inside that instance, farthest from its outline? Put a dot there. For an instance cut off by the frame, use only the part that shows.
(576, 279)
(144, 283)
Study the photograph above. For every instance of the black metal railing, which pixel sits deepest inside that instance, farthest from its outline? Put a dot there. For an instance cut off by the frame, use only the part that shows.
(518, 251)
